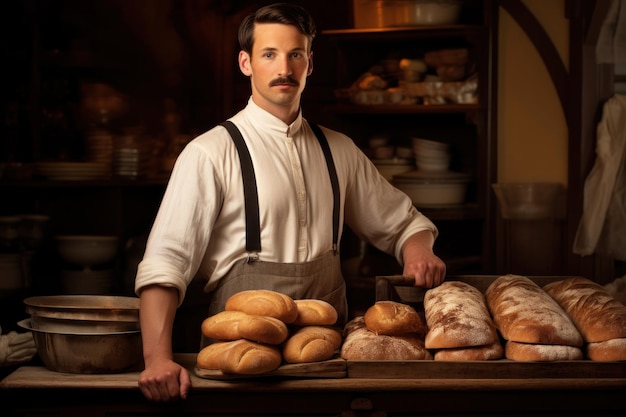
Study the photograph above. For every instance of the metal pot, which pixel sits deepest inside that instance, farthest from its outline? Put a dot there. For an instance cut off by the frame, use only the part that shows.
(88, 353)
(84, 307)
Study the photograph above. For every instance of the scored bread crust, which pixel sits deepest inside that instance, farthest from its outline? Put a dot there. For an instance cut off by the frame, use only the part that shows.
(473, 353)
(595, 312)
(524, 312)
(607, 351)
(541, 353)
(210, 356)
(264, 303)
(391, 318)
(457, 316)
(311, 344)
(234, 325)
(313, 312)
(360, 343)
(249, 358)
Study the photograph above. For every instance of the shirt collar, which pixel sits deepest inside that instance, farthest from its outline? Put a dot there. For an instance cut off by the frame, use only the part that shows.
(265, 121)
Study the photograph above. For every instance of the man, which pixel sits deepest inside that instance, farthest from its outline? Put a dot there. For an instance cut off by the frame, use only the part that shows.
(285, 238)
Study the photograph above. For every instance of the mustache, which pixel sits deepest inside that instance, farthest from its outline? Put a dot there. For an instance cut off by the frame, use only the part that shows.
(284, 80)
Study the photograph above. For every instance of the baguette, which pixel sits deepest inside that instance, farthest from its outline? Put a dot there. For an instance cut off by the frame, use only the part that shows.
(596, 313)
(391, 318)
(249, 358)
(234, 325)
(457, 317)
(541, 353)
(264, 303)
(609, 350)
(313, 312)
(523, 312)
(311, 344)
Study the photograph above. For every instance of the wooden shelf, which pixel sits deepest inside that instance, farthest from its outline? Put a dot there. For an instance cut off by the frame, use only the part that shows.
(348, 108)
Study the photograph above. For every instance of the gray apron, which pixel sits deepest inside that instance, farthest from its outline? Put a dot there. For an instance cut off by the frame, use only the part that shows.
(320, 278)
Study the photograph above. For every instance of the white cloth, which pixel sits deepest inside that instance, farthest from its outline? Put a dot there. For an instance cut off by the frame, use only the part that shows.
(200, 226)
(611, 46)
(603, 223)
(16, 348)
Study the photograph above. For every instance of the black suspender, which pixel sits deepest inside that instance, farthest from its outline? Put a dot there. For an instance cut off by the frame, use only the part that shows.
(253, 224)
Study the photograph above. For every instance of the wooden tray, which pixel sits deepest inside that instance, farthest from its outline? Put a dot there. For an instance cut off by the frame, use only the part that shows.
(334, 368)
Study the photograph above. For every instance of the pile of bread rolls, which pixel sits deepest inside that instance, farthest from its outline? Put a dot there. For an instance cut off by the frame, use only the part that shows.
(260, 329)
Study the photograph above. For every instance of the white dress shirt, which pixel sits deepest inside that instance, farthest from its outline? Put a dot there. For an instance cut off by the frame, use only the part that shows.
(200, 226)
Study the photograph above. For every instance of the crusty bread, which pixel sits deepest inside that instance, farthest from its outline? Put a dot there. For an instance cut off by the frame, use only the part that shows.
(360, 343)
(457, 317)
(393, 319)
(473, 353)
(541, 353)
(311, 344)
(234, 325)
(210, 356)
(249, 358)
(313, 312)
(607, 351)
(524, 312)
(264, 303)
(596, 313)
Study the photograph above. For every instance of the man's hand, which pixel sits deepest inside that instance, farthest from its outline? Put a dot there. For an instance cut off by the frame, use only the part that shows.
(421, 263)
(165, 381)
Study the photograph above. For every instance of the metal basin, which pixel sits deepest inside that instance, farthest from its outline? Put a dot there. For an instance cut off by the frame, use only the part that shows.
(84, 307)
(88, 353)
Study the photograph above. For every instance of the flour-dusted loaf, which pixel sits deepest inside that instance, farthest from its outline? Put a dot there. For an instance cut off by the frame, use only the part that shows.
(360, 343)
(596, 313)
(394, 319)
(264, 303)
(311, 344)
(474, 353)
(234, 325)
(313, 312)
(607, 351)
(210, 356)
(541, 353)
(523, 312)
(249, 358)
(457, 316)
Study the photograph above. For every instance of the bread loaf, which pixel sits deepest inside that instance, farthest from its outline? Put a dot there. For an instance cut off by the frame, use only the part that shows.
(210, 356)
(541, 353)
(596, 313)
(315, 313)
(311, 344)
(609, 350)
(234, 325)
(249, 358)
(524, 312)
(457, 317)
(474, 353)
(360, 343)
(393, 319)
(264, 303)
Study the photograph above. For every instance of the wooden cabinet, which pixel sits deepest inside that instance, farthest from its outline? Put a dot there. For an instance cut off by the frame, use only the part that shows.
(466, 125)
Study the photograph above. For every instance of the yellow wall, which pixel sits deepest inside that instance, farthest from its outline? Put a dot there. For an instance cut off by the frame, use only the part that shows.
(532, 133)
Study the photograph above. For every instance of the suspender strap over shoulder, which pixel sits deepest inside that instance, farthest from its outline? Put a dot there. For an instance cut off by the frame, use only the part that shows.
(253, 223)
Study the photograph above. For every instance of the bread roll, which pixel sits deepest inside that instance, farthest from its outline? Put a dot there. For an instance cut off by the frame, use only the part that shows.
(210, 356)
(541, 353)
(234, 325)
(457, 317)
(474, 353)
(609, 350)
(393, 319)
(311, 344)
(249, 358)
(360, 343)
(264, 303)
(315, 313)
(523, 312)
(596, 313)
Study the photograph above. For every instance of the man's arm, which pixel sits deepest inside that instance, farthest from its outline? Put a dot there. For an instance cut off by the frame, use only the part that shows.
(420, 262)
(162, 379)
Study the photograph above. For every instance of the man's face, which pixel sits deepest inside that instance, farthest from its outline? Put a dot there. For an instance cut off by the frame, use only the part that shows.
(278, 67)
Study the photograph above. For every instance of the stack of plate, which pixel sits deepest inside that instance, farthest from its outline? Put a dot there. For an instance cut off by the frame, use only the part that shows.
(431, 156)
(99, 146)
(432, 189)
(73, 171)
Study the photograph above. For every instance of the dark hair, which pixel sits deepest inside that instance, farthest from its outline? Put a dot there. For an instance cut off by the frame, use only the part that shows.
(285, 13)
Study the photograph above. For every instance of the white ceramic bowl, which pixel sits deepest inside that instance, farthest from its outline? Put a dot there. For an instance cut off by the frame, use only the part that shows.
(433, 189)
(87, 251)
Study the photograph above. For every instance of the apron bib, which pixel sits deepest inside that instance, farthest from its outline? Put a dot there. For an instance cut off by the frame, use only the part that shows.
(320, 278)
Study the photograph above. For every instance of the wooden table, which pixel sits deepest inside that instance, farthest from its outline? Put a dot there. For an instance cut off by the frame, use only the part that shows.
(36, 391)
